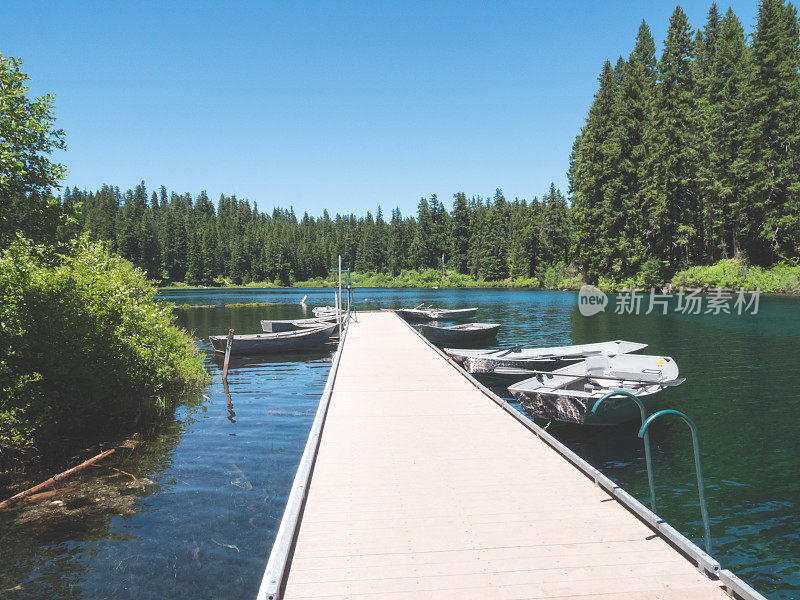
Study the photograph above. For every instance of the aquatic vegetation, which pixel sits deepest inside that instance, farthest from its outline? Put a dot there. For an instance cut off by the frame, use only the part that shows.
(249, 304)
(188, 306)
(231, 305)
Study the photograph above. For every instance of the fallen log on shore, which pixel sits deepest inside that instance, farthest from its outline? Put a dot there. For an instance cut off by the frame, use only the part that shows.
(55, 479)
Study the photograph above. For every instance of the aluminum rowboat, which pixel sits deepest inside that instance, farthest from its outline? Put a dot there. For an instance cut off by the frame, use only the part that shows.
(568, 394)
(265, 343)
(275, 326)
(435, 314)
(503, 361)
(459, 333)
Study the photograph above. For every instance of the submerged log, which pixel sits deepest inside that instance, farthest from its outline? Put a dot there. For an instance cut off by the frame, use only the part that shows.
(56, 478)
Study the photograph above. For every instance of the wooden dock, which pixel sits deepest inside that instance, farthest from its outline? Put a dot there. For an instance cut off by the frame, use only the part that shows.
(418, 483)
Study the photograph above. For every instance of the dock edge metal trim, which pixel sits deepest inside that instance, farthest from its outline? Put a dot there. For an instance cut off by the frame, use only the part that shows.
(275, 572)
(734, 587)
(737, 588)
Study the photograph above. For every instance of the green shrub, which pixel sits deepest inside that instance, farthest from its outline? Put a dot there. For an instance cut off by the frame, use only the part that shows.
(84, 345)
(733, 274)
(561, 276)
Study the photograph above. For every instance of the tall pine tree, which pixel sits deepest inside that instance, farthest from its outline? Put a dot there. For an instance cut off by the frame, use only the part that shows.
(674, 207)
(772, 152)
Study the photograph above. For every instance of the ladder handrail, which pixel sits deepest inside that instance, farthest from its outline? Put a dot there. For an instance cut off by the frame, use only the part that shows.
(647, 457)
(697, 464)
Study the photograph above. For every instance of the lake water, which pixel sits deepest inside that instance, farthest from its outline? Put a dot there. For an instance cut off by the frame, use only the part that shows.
(210, 486)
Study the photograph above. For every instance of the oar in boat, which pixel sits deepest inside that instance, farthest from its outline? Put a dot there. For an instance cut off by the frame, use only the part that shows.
(518, 348)
(505, 350)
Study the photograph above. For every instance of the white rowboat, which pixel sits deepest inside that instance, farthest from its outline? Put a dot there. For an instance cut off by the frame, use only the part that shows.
(568, 394)
(503, 361)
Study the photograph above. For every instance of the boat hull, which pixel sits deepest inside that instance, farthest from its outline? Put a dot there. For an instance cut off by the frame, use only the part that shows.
(578, 410)
(477, 365)
(444, 334)
(269, 343)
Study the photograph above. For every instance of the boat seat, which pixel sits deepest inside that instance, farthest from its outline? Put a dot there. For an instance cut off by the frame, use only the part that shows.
(563, 382)
(648, 376)
(597, 365)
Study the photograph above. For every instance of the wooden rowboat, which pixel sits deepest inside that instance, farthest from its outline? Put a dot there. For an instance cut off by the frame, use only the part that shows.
(568, 394)
(459, 333)
(265, 343)
(435, 314)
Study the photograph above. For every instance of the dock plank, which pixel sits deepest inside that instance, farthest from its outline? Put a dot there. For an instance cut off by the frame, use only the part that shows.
(424, 488)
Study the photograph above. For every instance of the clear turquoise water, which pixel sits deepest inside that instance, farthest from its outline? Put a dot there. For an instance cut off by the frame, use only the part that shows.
(217, 476)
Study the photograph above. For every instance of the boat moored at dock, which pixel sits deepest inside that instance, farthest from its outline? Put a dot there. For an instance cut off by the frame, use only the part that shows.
(459, 333)
(266, 343)
(568, 394)
(508, 360)
(276, 326)
(322, 312)
(436, 314)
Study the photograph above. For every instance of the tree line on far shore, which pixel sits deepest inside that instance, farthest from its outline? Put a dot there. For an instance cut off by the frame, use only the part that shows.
(683, 160)
(178, 238)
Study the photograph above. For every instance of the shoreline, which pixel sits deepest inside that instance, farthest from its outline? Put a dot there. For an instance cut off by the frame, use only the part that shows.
(704, 290)
(726, 275)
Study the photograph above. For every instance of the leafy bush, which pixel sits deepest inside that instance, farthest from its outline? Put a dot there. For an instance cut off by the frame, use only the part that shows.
(83, 344)
(733, 274)
(652, 274)
(561, 276)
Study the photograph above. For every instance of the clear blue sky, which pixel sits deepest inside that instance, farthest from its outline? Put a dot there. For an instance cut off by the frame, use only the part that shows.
(326, 105)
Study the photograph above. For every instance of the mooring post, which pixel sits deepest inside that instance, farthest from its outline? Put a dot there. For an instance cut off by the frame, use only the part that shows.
(227, 355)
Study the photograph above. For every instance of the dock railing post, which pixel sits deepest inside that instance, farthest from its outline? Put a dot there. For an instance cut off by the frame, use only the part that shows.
(647, 458)
(697, 465)
(227, 355)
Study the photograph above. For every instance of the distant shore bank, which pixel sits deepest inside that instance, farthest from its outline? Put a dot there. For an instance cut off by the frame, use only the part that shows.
(726, 274)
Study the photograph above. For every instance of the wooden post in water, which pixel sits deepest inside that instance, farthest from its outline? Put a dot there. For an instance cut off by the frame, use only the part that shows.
(227, 355)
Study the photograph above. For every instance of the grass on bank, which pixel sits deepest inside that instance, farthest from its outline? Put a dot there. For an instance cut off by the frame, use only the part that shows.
(558, 276)
(778, 279)
(84, 347)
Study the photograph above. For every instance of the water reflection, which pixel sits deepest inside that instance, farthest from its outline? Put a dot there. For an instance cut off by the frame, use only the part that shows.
(212, 483)
(229, 400)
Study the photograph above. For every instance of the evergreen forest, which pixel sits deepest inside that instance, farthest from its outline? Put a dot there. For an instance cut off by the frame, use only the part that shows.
(688, 156)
